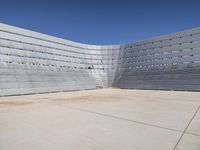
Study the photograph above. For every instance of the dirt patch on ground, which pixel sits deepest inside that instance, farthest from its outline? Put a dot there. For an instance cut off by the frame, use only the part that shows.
(88, 98)
(7, 104)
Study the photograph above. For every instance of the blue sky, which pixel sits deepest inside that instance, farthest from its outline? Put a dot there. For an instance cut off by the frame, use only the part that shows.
(103, 21)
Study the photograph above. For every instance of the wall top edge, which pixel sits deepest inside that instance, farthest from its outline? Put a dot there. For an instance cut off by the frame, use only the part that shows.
(34, 34)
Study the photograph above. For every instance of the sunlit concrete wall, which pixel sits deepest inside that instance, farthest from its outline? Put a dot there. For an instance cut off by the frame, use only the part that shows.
(32, 62)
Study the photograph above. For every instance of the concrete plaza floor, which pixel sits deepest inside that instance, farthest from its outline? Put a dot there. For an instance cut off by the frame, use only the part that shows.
(105, 119)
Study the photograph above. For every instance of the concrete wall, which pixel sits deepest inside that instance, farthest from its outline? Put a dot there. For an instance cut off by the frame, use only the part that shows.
(32, 62)
(167, 62)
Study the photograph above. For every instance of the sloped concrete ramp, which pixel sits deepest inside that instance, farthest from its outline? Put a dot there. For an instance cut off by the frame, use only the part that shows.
(105, 119)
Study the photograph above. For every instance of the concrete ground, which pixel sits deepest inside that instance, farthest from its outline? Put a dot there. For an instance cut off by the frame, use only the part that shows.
(105, 119)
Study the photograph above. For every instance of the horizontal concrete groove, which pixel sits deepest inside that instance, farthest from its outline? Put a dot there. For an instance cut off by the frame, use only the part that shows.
(15, 92)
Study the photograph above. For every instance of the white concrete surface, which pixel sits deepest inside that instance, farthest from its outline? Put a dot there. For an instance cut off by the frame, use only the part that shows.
(189, 142)
(107, 119)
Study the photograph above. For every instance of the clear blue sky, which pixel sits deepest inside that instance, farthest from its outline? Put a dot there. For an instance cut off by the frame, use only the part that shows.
(102, 21)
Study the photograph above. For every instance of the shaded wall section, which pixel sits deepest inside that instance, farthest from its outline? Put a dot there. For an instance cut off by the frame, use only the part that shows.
(169, 62)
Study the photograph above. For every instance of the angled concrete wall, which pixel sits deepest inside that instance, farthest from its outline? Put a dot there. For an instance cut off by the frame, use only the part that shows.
(32, 62)
(168, 62)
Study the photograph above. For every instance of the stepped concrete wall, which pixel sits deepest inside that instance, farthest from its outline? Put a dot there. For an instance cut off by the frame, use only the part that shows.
(31, 62)
(169, 62)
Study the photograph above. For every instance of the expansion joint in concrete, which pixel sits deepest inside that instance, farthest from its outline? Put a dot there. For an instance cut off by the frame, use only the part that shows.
(184, 132)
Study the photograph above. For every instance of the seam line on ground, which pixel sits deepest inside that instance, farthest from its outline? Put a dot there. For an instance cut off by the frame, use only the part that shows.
(198, 108)
(120, 118)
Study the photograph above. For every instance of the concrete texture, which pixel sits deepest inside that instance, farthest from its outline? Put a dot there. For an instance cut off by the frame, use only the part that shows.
(31, 62)
(105, 119)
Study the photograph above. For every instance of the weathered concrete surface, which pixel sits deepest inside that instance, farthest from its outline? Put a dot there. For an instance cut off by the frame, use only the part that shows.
(106, 119)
